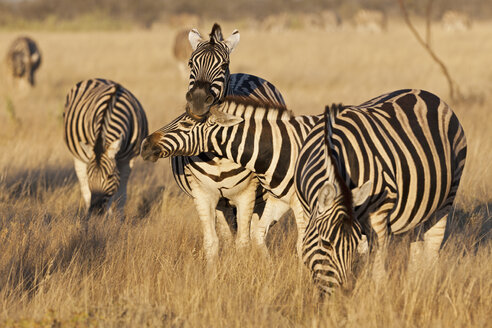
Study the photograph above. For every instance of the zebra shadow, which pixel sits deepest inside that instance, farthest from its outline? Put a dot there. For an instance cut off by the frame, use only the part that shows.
(472, 226)
(33, 182)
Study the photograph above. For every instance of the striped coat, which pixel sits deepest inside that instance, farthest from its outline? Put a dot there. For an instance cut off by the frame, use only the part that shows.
(257, 136)
(104, 126)
(411, 147)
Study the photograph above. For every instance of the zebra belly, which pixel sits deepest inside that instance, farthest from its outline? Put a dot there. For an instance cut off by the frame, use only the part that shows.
(215, 173)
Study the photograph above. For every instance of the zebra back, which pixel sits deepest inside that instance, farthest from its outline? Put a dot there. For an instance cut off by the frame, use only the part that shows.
(410, 145)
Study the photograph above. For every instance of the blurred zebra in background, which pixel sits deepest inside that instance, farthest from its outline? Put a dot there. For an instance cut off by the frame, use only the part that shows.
(367, 20)
(453, 21)
(182, 51)
(22, 60)
(104, 125)
(411, 148)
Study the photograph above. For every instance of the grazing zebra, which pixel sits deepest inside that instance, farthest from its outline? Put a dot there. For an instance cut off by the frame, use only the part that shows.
(23, 59)
(370, 20)
(182, 50)
(453, 21)
(333, 233)
(209, 179)
(260, 137)
(104, 127)
(411, 147)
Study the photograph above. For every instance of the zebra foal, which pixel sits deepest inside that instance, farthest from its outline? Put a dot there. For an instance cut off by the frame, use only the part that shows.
(104, 125)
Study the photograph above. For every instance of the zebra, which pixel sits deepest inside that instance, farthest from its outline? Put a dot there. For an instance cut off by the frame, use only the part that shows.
(370, 20)
(258, 136)
(411, 148)
(104, 125)
(182, 50)
(215, 183)
(23, 59)
(453, 21)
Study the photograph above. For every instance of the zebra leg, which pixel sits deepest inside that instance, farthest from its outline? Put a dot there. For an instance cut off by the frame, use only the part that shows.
(244, 203)
(434, 236)
(81, 171)
(301, 222)
(380, 225)
(274, 209)
(222, 226)
(120, 195)
(426, 252)
(206, 203)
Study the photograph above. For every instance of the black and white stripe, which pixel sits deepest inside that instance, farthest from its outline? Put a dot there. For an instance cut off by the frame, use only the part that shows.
(257, 136)
(104, 126)
(411, 147)
(23, 59)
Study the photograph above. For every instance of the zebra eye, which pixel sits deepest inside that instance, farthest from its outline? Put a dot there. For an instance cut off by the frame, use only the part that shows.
(110, 176)
(326, 244)
(185, 125)
(225, 65)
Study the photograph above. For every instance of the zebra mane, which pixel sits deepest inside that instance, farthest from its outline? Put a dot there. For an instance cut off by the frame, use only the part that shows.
(262, 104)
(346, 193)
(216, 34)
(100, 144)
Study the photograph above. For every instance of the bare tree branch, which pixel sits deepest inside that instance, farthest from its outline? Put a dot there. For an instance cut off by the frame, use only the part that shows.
(453, 88)
(428, 22)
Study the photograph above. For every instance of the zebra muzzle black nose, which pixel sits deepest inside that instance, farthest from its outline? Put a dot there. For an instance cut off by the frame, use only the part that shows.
(189, 97)
(150, 151)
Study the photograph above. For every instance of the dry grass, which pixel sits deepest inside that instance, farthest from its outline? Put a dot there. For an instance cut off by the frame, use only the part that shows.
(150, 270)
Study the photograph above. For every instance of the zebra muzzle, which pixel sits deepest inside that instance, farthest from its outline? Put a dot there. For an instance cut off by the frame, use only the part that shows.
(149, 150)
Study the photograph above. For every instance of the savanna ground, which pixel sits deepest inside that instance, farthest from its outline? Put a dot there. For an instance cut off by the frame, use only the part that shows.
(149, 269)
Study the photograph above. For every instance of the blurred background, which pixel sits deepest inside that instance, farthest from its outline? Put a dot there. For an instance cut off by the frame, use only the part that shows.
(148, 270)
(114, 14)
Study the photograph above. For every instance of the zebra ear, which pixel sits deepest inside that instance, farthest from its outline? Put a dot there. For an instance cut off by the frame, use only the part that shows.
(360, 194)
(224, 119)
(113, 148)
(88, 149)
(195, 38)
(35, 57)
(232, 40)
(326, 196)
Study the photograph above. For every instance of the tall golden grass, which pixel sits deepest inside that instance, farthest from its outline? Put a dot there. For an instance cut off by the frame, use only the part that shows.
(150, 269)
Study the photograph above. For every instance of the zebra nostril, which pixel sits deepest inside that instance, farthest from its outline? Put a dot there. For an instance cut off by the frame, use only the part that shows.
(209, 100)
(188, 96)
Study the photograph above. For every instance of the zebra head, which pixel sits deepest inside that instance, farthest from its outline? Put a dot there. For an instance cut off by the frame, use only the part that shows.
(187, 136)
(333, 234)
(103, 174)
(209, 64)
